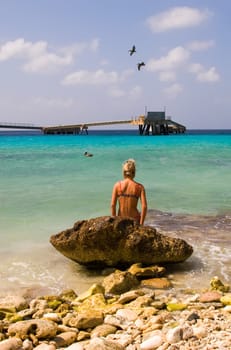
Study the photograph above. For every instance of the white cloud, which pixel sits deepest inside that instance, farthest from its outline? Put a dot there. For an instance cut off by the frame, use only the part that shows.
(78, 48)
(177, 17)
(99, 77)
(94, 44)
(64, 103)
(126, 74)
(135, 92)
(47, 62)
(167, 76)
(174, 90)
(197, 45)
(196, 68)
(208, 76)
(175, 58)
(17, 48)
(117, 92)
(179, 59)
(38, 57)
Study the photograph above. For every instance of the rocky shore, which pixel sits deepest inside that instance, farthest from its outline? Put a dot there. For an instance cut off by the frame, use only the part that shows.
(135, 309)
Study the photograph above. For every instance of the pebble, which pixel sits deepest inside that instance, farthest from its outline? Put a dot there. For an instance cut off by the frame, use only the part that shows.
(126, 314)
(27, 344)
(52, 316)
(45, 347)
(75, 346)
(11, 344)
(136, 320)
(227, 308)
(103, 344)
(199, 332)
(153, 342)
(174, 335)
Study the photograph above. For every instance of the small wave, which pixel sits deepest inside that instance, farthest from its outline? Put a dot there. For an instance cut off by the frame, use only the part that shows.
(209, 235)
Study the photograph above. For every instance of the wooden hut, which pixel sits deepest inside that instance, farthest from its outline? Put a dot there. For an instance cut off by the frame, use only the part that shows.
(156, 123)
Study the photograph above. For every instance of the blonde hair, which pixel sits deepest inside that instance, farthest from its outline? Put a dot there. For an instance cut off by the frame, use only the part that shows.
(129, 168)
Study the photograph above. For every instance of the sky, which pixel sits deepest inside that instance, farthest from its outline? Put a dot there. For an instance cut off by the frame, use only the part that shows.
(68, 61)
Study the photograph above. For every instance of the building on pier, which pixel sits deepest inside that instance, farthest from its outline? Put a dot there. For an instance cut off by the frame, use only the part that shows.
(156, 123)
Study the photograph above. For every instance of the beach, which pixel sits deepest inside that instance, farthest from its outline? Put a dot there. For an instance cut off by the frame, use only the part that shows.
(123, 312)
(47, 184)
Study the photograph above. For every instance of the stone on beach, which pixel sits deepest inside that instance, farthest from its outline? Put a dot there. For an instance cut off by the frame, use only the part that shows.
(64, 339)
(103, 344)
(153, 342)
(119, 282)
(16, 303)
(115, 241)
(11, 344)
(149, 271)
(44, 346)
(39, 328)
(161, 283)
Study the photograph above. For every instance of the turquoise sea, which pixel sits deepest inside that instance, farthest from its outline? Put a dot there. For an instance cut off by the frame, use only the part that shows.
(46, 184)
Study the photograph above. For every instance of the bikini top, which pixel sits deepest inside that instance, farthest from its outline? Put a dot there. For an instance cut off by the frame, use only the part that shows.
(131, 195)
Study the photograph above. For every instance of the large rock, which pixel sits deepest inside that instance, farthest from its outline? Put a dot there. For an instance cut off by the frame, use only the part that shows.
(116, 241)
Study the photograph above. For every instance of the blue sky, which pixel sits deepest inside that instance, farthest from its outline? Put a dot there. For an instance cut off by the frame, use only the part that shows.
(67, 61)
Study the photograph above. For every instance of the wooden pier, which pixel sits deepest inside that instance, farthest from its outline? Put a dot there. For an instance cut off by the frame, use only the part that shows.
(154, 123)
(23, 126)
(77, 129)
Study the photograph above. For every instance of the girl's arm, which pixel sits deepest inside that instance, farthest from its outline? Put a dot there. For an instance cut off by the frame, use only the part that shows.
(144, 206)
(114, 200)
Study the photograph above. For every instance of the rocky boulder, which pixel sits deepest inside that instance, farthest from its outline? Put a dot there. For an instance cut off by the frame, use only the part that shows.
(115, 241)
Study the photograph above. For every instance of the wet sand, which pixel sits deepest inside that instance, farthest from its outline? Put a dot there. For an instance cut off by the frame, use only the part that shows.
(41, 269)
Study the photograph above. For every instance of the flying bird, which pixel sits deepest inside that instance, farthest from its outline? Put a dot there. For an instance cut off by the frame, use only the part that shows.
(140, 64)
(132, 50)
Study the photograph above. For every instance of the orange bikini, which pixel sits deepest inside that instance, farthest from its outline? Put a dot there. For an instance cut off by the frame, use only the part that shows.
(131, 195)
(123, 194)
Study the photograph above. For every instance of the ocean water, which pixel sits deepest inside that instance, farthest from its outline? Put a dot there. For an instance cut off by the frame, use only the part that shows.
(46, 184)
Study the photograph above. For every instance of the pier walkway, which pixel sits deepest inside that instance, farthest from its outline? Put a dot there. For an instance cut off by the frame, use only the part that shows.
(80, 128)
(155, 123)
(20, 126)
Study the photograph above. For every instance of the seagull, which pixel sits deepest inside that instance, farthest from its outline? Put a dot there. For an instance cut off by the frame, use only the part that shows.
(140, 64)
(132, 50)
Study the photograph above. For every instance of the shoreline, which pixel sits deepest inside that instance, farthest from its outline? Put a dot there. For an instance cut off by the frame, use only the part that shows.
(179, 310)
(118, 315)
(209, 236)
